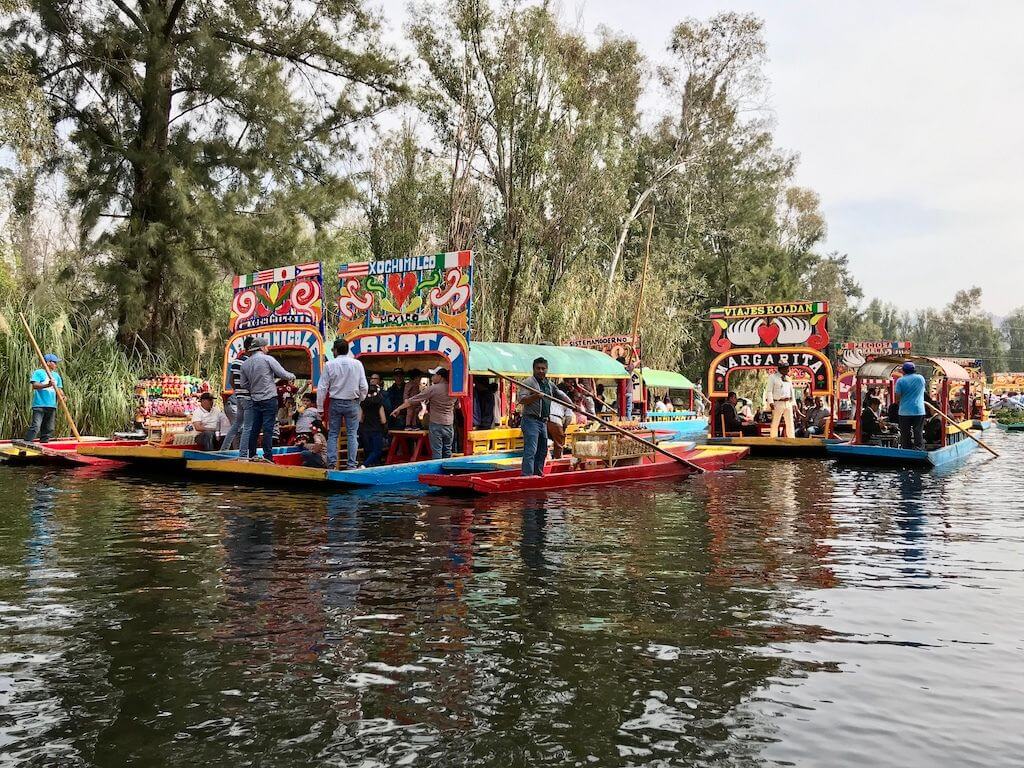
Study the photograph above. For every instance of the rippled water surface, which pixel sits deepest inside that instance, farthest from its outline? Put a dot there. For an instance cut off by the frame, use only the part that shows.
(785, 613)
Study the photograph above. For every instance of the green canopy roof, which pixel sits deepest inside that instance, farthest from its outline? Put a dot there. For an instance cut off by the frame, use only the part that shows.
(665, 379)
(517, 360)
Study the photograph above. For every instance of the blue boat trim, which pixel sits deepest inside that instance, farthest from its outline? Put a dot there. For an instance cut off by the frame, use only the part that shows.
(408, 474)
(192, 455)
(900, 456)
(679, 427)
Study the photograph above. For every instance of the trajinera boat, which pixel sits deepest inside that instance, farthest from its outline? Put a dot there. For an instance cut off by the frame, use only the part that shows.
(598, 458)
(61, 452)
(948, 382)
(1016, 426)
(408, 315)
(761, 337)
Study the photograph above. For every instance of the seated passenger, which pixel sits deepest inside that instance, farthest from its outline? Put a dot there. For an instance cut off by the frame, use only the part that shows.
(933, 429)
(314, 446)
(817, 417)
(727, 419)
(308, 416)
(870, 425)
(210, 423)
(893, 414)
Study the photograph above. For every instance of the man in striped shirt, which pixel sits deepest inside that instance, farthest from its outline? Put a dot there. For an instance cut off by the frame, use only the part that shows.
(238, 402)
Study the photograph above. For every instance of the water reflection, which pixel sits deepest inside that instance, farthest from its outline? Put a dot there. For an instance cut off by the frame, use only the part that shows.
(743, 618)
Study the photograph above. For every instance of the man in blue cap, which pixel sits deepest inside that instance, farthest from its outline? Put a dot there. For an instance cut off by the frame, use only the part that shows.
(910, 391)
(44, 400)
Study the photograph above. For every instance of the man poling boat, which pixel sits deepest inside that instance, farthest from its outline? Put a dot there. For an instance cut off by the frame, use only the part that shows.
(539, 394)
(914, 387)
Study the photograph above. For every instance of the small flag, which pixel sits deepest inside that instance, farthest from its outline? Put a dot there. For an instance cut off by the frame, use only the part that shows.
(356, 269)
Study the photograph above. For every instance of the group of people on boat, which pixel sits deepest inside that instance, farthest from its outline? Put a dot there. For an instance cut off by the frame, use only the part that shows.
(906, 416)
(784, 416)
(261, 410)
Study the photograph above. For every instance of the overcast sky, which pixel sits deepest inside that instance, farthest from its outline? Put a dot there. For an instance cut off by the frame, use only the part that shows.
(907, 117)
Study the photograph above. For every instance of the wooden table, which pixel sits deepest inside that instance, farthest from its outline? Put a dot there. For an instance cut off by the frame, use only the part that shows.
(408, 445)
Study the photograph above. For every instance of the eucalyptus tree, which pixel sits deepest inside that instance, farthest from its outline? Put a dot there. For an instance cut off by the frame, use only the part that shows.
(543, 125)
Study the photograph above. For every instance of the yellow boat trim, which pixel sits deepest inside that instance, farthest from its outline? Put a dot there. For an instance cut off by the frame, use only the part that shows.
(259, 469)
(717, 450)
(129, 452)
(19, 452)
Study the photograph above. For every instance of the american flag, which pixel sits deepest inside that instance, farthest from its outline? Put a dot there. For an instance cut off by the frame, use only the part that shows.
(357, 269)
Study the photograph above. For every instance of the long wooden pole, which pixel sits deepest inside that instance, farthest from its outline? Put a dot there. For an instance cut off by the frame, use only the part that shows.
(643, 281)
(639, 307)
(946, 418)
(599, 420)
(58, 390)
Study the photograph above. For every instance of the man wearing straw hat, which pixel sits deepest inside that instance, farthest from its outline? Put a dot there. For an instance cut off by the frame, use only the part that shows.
(44, 400)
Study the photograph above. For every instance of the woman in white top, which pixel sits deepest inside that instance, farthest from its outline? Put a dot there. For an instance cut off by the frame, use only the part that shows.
(664, 405)
(746, 411)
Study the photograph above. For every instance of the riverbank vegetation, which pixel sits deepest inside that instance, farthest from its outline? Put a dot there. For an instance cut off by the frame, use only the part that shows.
(154, 149)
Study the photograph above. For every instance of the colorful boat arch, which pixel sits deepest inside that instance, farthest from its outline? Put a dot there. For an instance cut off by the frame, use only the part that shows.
(763, 336)
(283, 305)
(813, 363)
(417, 308)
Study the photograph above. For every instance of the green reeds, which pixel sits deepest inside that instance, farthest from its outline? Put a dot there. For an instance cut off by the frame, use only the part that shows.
(98, 373)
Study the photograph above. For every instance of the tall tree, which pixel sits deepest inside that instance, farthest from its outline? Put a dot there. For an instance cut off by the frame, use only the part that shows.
(1012, 329)
(715, 66)
(543, 121)
(203, 137)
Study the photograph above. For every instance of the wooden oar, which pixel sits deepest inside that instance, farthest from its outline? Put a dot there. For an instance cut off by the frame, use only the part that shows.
(46, 368)
(599, 420)
(946, 418)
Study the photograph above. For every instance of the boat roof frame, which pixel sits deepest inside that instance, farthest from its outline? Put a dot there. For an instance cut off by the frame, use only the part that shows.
(882, 368)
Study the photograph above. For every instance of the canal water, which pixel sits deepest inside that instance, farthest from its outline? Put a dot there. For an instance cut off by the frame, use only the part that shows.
(784, 613)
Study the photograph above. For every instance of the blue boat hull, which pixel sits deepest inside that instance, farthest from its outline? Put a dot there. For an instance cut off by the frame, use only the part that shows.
(877, 454)
(680, 428)
(409, 474)
(982, 425)
(191, 455)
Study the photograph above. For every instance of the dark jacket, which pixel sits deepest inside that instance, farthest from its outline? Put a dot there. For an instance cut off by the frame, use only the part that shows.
(869, 425)
(732, 422)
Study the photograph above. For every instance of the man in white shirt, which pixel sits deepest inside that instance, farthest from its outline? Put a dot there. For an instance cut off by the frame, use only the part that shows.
(780, 398)
(344, 383)
(209, 423)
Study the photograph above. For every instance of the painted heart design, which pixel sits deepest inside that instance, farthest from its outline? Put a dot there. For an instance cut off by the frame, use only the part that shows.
(402, 287)
(768, 333)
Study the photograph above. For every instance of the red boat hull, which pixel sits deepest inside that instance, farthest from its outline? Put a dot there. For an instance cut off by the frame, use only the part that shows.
(61, 451)
(709, 458)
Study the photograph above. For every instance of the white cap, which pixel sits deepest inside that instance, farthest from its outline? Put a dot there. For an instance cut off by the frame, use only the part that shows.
(435, 371)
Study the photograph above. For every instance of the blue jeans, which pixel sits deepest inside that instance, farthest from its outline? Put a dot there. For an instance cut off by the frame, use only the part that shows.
(535, 446)
(239, 426)
(310, 459)
(42, 424)
(347, 411)
(373, 447)
(441, 438)
(262, 416)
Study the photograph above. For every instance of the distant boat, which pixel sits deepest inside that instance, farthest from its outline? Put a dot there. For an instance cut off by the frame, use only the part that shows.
(1017, 426)
(882, 372)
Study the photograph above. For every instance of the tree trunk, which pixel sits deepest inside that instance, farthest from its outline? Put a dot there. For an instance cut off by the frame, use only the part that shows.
(146, 256)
